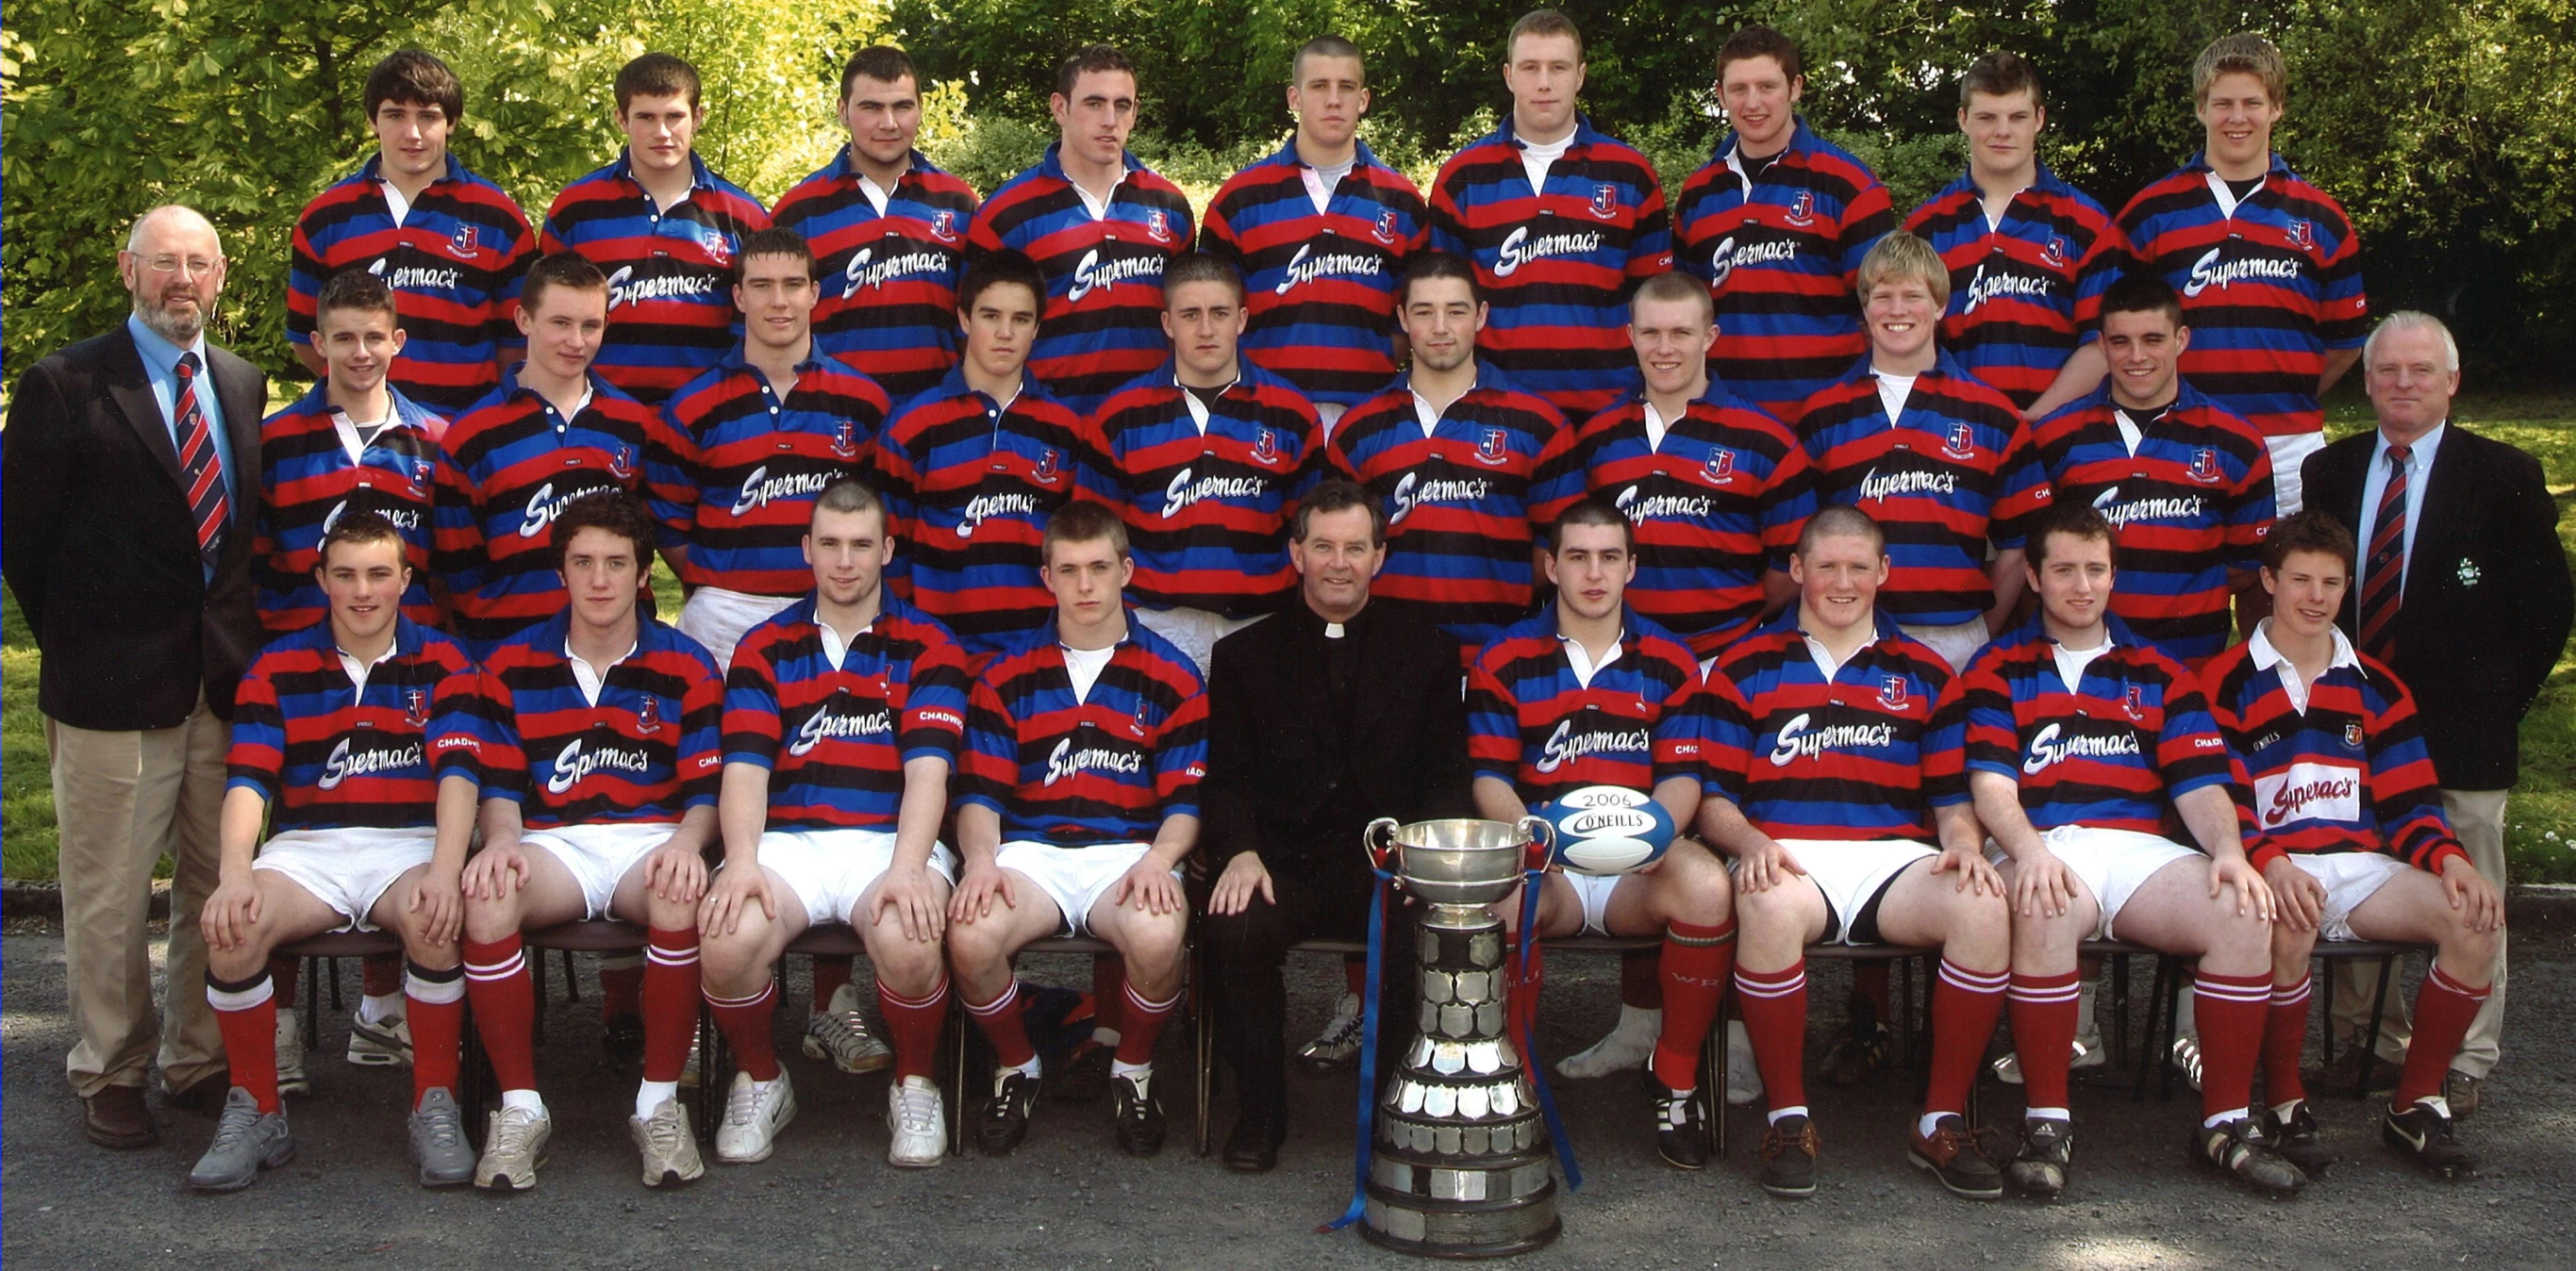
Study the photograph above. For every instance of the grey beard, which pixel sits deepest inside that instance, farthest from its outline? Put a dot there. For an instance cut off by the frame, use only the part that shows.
(170, 326)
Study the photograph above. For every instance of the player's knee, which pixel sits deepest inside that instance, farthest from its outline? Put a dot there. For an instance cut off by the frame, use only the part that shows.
(491, 917)
(2465, 940)
(2290, 946)
(1768, 910)
(974, 943)
(237, 963)
(1696, 888)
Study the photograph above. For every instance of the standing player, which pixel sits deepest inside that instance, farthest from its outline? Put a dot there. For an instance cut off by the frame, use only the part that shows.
(450, 243)
(328, 730)
(2267, 264)
(592, 739)
(1776, 224)
(1205, 458)
(1100, 225)
(1321, 231)
(1561, 222)
(664, 228)
(889, 230)
(842, 719)
(1084, 751)
(2029, 255)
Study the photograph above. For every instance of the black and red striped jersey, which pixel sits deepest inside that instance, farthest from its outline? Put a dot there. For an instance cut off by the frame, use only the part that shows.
(888, 302)
(1108, 767)
(309, 478)
(670, 271)
(753, 462)
(835, 735)
(2025, 290)
(328, 751)
(1534, 722)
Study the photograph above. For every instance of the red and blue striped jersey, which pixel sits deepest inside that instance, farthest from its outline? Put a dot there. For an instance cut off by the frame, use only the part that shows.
(308, 481)
(889, 291)
(2191, 504)
(1715, 506)
(1458, 501)
(2342, 768)
(506, 470)
(454, 263)
(1319, 286)
(970, 484)
(670, 272)
(1956, 472)
(835, 737)
(2267, 291)
(1864, 755)
(753, 463)
(647, 751)
(1102, 323)
(2023, 293)
(1533, 722)
(330, 754)
(1109, 768)
(1781, 255)
(2110, 753)
(1557, 264)
(1207, 511)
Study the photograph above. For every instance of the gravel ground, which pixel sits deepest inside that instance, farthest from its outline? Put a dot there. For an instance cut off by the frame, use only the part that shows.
(1068, 1199)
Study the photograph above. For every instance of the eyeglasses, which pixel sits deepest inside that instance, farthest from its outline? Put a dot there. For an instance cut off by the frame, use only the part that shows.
(198, 266)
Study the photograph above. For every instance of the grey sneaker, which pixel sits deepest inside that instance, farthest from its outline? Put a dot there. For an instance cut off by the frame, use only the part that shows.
(438, 1144)
(382, 1043)
(669, 1146)
(291, 1076)
(247, 1141)
(514, 1145)
(839, 1032)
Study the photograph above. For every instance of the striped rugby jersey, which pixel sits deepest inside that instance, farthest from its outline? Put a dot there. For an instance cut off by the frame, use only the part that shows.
(1781, 255)
(1558, 264)
(754, 462)
(2340, 768)
(1532, 722)
(330, 754)
(1957, 472)
(1207, 510)
(454, 263)
(1715, 506)
(670, 274)
(308, 481)
(1102, 320)
(506, 470)
(835, 737)
(1458, 502)
(889, 289)
(1319, 286)
(1107, 769)
(2023, 293)
(648, 751)
(2113, 752)
(970, 485)
(1864, 755)
(2193, 503)
(2267, 291)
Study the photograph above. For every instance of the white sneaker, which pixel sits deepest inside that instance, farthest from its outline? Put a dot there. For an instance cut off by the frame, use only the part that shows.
(2086, 1053)
(1337, 1047)
(380, 1043)
(689, 1070)
(669, 1147)
(1628, 1045)
(918, 1122)
(291, 1076)
(753, 1117)
(1743, 1077)
(840, 1033)
(514, 1145)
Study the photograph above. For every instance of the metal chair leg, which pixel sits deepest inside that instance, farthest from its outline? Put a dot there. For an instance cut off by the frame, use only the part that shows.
(312, 1004)
(958, 1041)
(2157, 996)
(1717, 1120)
(334, 973)
(2378, 1003)
(572, 982)
(1203, 1030)
(2326, 1042)
(1712, 1084)
(537, 968)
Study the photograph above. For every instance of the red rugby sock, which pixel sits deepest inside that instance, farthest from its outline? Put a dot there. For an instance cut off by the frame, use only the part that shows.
(505, 1008)
(914, 1024)
(1774, 1004)
(1003, 1027)
(746, 1024)
(2444, 1009)
(2043, 1011)
(246, 1013)
(2231, 1011)
(2285, 1034)
(434, 1003)
(1965, 1005)
(1144, 1024)
(1692, 972)
(670, 1001)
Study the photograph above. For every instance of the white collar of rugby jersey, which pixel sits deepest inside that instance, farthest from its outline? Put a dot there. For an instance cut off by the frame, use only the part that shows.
(1429, 415)
(590, 678)
(836, 647)
(2265, 655)
(2227, 200)
(2071, 662)
(359, 671)
(354, 436)
(1098, 205)
(397, 203)
(1580, 659)
(1322, 183)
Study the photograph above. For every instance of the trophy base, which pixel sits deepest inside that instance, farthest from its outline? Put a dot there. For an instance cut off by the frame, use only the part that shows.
(1463, 1230)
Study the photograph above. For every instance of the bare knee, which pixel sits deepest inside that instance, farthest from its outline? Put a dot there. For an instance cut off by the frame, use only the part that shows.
(489, 919)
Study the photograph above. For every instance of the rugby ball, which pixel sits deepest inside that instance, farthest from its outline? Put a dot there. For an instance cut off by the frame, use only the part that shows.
(1608, 830)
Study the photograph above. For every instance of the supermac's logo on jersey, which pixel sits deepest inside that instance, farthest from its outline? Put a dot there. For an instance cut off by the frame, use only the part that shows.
(1385, 227)
(1605, 200)
(1802, 209)
(1892, 692)
(1961, 442)
(943, 225)
(2204, 465)
(462, 244)
(1490, 446)
(1719, 467)
(1159, 225)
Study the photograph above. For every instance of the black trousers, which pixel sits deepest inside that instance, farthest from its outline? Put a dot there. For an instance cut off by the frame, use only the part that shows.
(1247, 950)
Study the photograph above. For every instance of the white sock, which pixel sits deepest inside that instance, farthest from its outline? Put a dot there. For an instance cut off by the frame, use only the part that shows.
(2047, 1114)
(2230, 1117)
(2084, 1025)
(1121, 1068)
(376, 1008)
(1633, 1020)
(651, 1095)
(526, 1099)
(1926, 1123)
(1794, 1110)
(2283, 1110)
(2438, 1103)
(1028, 1070)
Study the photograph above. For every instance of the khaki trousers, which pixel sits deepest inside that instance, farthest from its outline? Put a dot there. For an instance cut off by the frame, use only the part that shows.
(2477, 818)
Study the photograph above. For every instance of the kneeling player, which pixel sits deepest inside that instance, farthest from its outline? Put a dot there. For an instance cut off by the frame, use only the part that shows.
(2350, 834)
(1589, 693)
(592, 738)
(1084, 750)
(328, 729)
(2082, 742)
(842, 717)
(1832, 768)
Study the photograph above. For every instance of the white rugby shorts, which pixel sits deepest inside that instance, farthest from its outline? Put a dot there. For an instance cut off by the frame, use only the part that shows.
(1593, 893)
(2289, 454)
(1193, 631)
(347, 869)
(1851, 873)
(1956, 643)
(1075, 878)
(830, 870)
(719, 619)
(2112, 864)
(599, 856)
(2349, 879)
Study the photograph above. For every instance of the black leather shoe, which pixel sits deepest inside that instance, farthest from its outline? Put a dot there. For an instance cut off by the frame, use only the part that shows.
(116, 1117)
(1253, 1147)
(206, 1094)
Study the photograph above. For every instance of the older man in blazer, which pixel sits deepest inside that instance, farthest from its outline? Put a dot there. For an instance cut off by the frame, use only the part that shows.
(2463, 590)
(129, 489)
(1322, 717)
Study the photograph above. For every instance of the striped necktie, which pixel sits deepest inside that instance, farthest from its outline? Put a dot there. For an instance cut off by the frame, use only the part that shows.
(2382, 586)
(199, 469)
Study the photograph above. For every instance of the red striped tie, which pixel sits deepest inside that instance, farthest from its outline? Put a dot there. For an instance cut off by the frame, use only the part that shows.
(2382, 585)
(199, 469)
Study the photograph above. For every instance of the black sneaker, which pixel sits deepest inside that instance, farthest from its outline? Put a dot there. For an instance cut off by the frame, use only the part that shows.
(2039, 1169)
(2423, 1133)
(1951, 1155)
(1858, 1053)
(2295, 1138)
(622, 1037)
(1140, 1115)
(1005, 1120)
(2240, 1148)
(1789, 1150)
(1084, 1075)
(1681, 1128)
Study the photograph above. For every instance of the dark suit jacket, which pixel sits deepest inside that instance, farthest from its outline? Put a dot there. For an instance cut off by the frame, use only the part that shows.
(2487, 602)
(101, 549)
(1272, 772)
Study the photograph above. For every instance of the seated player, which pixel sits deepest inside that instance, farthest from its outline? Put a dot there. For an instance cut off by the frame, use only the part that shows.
(1834, 761)
(1589, 693)
(842, 717)
(1085, 745)
(2349, 831)
(2083, 742)
(328, 731)
(592, 739)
